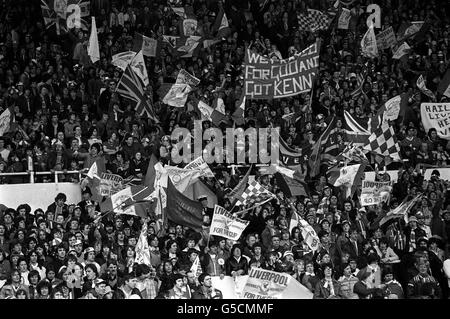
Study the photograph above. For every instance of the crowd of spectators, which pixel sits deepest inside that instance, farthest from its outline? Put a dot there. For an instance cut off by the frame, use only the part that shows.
(67, 113)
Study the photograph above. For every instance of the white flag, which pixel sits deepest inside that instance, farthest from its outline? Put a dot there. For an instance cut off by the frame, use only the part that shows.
(122, 59)
(93, 171)
(93, 49)
(344, 19)
(199, 163)
(206, 110)
(142, 250)
(369, 43)
(401, 51)
(422, 87)
(138, 66)
(5, 121)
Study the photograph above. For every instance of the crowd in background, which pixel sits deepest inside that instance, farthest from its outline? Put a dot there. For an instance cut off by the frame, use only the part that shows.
(66, 113)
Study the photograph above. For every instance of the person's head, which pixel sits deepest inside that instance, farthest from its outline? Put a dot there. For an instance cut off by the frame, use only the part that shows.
(422, 244)
(44, 288)
(327, 269)
(309, 266)
(388, 274)
(205, 280)
(236, 251)
(91, 271)
(179, 281)
(168, 267)
(21, 294)
(422, 267)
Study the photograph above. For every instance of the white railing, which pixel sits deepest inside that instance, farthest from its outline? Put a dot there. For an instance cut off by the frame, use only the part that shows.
(33, 173)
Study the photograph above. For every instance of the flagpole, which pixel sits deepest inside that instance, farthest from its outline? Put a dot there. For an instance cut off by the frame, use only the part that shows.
(259, 204)
(112, 210)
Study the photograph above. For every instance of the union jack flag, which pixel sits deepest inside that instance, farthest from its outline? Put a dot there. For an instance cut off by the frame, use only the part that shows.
(130, 87)
(62, 13)
(360, 80)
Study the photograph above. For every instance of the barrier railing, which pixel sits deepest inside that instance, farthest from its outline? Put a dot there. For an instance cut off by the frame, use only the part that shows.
(32, 174)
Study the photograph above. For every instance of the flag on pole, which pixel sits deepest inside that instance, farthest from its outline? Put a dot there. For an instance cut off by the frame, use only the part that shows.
(344, 19)
(93, 171)
(354, 132)
(422, 87)
(184, 77)
(290, 183)
(315, 159)
(308, 233)
(150, 176)
(5, 121)
(147, 45)
(138, 66)
(224, 224)
(221, 25)
(237, 191)
(390, 111)
(352, 153)
(238, 115)
(349, 176)
(383, 141)
(369, 46)
(360, 80)
(132, 200)
(314, 20)
(208, 113)
(182, 210)
(401, 210)
(122, 59)
(444, 85)
(400, 51)
(180, 11)
(130, 87)
(142, 249)
(180, 177)
(199, 163)
(93, 48)
(254, 193)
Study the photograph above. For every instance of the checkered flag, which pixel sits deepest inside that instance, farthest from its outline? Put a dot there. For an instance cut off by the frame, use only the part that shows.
(384, 142)
(254, 193)
(314, 20)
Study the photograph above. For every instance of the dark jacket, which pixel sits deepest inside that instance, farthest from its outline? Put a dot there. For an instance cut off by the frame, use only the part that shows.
(322, 292)
(231, 264)
(202, 294)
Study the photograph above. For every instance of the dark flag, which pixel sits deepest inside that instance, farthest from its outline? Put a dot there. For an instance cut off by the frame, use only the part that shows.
(182, 210)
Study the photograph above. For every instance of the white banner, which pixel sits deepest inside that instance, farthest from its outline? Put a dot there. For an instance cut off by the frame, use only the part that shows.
(199, 163)
(231, 287)
(138, 66)
(184, 77)
(386, 39)
(181, 178)
(266, 284)
(392, 109)
(436, 115)
(189, 27)
(344, 19)
(226, 225)
(373, 193)
(149, 46)
(122, 59)
(5, 120)
(400, 51)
